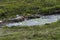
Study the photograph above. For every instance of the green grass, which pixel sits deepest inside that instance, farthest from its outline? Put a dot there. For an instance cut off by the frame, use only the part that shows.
(45, 32)
(9, 8)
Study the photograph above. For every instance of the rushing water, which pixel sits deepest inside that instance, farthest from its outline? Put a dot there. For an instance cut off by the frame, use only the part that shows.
(38, 21)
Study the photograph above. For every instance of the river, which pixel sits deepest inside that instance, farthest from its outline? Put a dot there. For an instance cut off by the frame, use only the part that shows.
(38, 21)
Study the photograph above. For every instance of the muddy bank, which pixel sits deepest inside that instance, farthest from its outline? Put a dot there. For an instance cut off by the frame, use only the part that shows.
(21, 18)
(53, 12)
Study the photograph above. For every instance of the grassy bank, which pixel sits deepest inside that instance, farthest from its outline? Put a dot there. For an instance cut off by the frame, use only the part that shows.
(9, 8)
(45, 32)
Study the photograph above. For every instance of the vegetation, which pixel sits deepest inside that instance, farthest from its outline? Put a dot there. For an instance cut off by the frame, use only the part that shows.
(9, 8)
(45, 32)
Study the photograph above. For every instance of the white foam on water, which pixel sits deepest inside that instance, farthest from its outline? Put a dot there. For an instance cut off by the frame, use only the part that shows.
(37, 21)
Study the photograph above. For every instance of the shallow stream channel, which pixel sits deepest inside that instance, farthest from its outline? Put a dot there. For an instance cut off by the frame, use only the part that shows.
(38, 21)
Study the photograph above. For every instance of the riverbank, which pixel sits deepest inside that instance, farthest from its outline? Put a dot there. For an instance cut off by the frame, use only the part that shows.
(40, 20)
(45, 32)
(9, 9)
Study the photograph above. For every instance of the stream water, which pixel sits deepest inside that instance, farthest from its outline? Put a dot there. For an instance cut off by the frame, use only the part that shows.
(38, 21)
